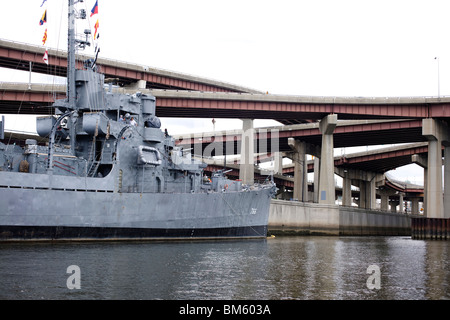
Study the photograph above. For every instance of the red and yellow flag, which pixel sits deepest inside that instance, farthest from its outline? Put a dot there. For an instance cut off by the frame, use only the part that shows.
(44, 38)
(96, 34)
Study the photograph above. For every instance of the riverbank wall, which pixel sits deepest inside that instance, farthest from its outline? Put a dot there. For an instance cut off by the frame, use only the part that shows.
(430, 228)
(303, 218)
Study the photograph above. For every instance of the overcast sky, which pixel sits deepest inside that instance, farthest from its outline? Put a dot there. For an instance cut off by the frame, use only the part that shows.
(320, 47)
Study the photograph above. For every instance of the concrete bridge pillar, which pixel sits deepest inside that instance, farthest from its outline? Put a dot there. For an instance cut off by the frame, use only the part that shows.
(384, 195)
(278, 163)
(316, 178)
(367, 193)
(327, 192)
(394, 203)
(371, 194)
(246, 167)
(347, 190)
(300, 169)
(384, 202)
(401, 200)
(366, 181)
(423, 162)
(446, 180)
(436, 132)
(415, 205)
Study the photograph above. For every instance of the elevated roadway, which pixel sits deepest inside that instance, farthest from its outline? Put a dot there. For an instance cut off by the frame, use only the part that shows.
(35, 99)
(290, 109)
(18, 56)
(20, 98)
(348, 133)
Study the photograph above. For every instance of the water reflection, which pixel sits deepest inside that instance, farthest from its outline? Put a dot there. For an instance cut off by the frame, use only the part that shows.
(280, 268)
(437, 269)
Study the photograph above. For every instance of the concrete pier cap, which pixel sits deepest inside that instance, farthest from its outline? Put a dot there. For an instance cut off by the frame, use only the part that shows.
(328, 124)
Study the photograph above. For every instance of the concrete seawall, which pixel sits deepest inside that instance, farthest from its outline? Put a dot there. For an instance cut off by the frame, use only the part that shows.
(300, 218)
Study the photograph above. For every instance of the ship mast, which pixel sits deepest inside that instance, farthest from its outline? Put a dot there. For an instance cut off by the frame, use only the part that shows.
(70, 103)
(71, 94)
(72, 44)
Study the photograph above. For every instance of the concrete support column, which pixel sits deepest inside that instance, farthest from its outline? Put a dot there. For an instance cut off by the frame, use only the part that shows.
(433, 130)
(316, 178)
(278, 163)
(327, 192)
(423, 162)
(384, 202)
(415, 205)
(394, 203)
(364, 194)
(446, 213)
(300, 169)
(246, 167)
(384, 195)
(435, 205)
(371, 198)
(347, 191)
(366, 181)
(401, 202)
(425, 190)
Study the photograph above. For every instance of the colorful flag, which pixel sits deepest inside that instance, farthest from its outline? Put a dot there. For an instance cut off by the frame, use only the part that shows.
(43, 3)
(45, 58)
(44, 18)
(95, 8)
(44, 39)
(96, 34)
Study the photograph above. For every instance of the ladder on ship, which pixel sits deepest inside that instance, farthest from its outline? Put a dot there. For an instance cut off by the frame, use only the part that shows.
(95, 153)
(93, 168)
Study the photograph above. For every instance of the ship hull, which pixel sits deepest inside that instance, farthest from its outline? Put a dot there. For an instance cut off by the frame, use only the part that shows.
(71, 214)
(45, 233)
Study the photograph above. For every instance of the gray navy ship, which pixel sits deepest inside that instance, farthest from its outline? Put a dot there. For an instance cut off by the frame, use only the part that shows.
(109, 172)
